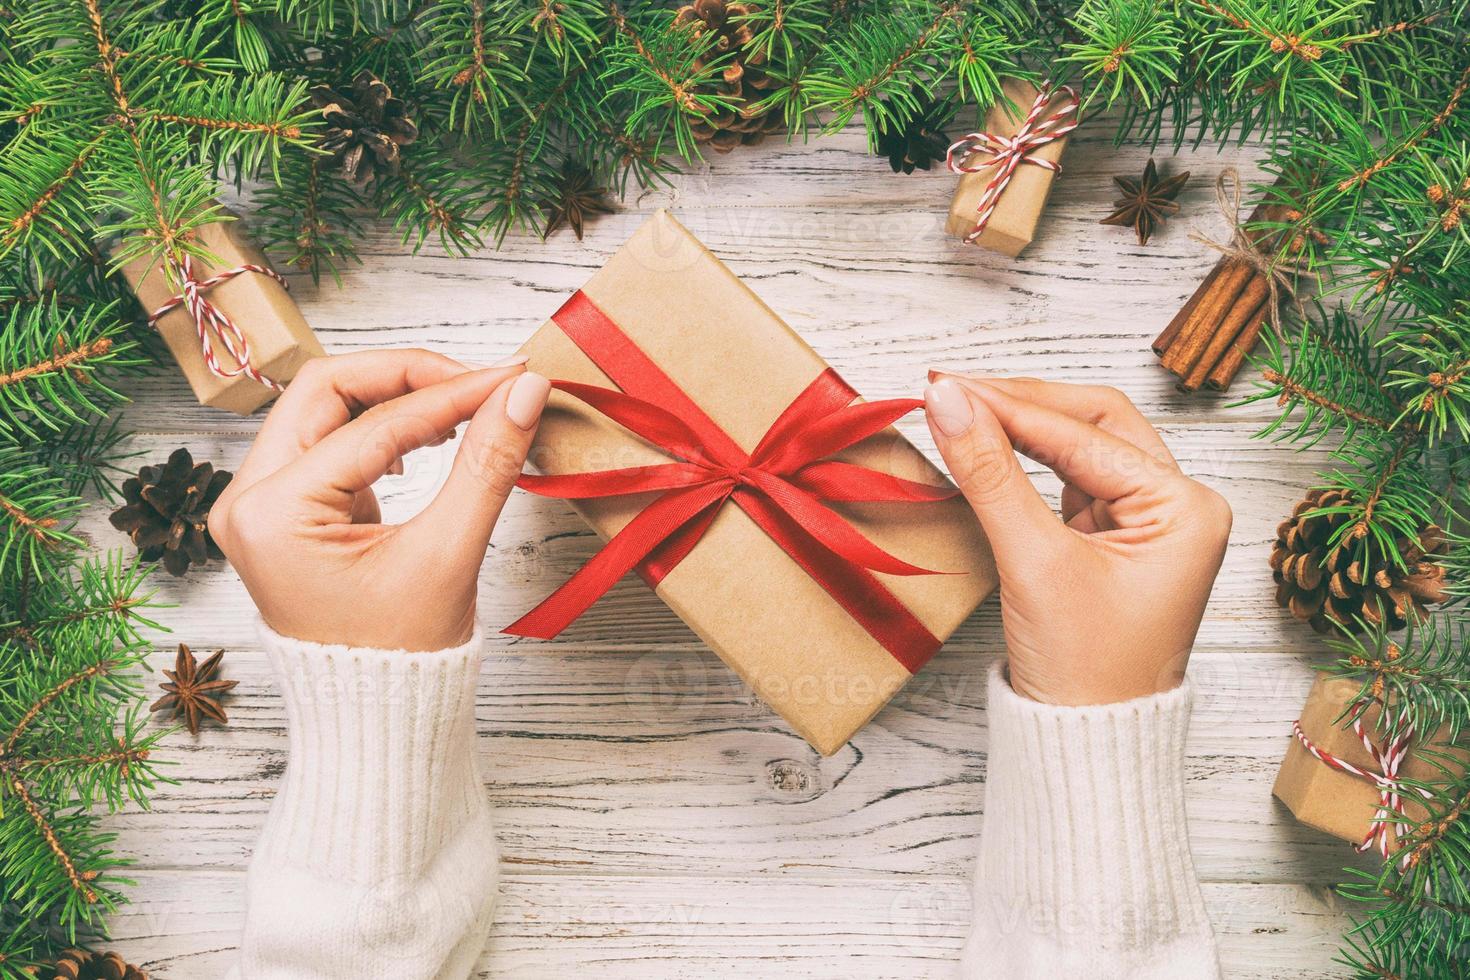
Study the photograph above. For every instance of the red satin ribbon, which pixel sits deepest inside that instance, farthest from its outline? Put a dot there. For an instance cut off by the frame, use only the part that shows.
(781, 485)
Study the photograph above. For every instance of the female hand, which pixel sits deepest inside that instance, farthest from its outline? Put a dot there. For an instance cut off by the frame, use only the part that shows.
(301, 525)
(1102, 605)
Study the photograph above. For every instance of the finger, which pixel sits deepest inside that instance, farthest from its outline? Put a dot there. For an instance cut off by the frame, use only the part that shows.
(354, 456)
(329, 392)
(984, 466)
(1107, 408)
(365, 509)
(489, 460)
(1097, 463)
(1074, 502)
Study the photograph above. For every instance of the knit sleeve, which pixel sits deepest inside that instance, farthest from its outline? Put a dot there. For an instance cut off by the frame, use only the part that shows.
(1084, 868)
(378, 857)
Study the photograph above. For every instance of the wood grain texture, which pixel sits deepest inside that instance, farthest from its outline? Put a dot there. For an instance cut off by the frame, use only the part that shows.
(691, 927)
(656, 819)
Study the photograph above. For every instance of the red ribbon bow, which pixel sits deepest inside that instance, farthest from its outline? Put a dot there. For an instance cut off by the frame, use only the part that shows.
(781, 485)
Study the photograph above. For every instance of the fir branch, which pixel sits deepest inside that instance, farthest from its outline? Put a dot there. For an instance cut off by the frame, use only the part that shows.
(58, 689)
(1292, 390)
(48, 833)
(63, 359)
(17, 227)
(1279, 42)
(682, 90)
(1433, 125)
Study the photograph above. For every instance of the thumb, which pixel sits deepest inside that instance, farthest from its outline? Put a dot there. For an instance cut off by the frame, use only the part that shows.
(486, 467)
(984, 465)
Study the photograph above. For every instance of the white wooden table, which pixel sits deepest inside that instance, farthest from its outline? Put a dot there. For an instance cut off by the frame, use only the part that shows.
(656, 819)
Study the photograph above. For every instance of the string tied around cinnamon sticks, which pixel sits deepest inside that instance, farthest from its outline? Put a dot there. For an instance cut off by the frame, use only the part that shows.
(1209, 338)
(1281, 275)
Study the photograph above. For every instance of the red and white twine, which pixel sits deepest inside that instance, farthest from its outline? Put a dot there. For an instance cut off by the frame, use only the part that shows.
(1389, 758)
(211, 320)
(1006, 153)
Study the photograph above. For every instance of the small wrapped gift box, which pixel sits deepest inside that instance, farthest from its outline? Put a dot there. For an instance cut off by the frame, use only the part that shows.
(780, 516)
(1008, 169)
(245, 310)
(1342, 778)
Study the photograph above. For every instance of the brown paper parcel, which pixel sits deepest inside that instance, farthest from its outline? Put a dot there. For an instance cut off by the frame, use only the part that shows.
(1329, 799)
(1013, 224)
(738, 590)
(279, 337)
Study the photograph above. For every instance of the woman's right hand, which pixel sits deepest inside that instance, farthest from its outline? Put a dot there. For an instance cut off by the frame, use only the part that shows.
(301, 525)
(1104, 604)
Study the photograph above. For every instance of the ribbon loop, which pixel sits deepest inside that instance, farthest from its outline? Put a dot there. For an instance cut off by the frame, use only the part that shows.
(781, 486)
(1006, 153)
(211, 321)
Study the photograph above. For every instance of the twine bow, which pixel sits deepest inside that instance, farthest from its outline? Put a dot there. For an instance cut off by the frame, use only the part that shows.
(1389, 758)
(1280, 275)
(1006, 153)
(210, 319)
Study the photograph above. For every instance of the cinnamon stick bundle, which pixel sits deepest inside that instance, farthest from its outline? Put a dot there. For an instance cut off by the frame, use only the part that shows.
(1206, 342)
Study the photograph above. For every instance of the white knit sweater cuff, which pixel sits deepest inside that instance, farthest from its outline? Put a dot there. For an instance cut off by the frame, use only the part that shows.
(1085, 868)
(382, 770)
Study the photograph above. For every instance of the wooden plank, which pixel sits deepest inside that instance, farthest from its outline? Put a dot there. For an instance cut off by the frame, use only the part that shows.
(186, 925)
(632, 765)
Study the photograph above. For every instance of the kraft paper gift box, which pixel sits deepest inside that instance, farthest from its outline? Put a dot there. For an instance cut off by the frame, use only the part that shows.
(280, 339)
(745, 596)
(1337, 802)
(1013, 224)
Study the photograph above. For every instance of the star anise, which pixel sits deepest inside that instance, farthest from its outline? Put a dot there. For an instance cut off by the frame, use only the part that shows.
(1146, 203)
(193, 690)
(577, 195)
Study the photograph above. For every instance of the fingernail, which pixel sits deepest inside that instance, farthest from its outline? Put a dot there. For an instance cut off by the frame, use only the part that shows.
(949, 407)
(512, 360)
(526, 399)
(936, 373)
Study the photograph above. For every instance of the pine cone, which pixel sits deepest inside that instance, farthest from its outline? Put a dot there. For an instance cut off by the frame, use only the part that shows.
(920, 141)
(742, 78)
(77, 964)
(364, 128)
(167, 511)
(1336, 586)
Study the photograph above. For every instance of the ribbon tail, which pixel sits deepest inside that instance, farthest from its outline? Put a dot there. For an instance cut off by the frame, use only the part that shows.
(829, 529)
(855, 589)
(666, 557)
(644, 533)
(832, 479)
(615, 483)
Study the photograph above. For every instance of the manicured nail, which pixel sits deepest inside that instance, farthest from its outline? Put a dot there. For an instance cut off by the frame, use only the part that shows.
(949, 407)
(512, 360)
(936, 373)
(526, 399)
